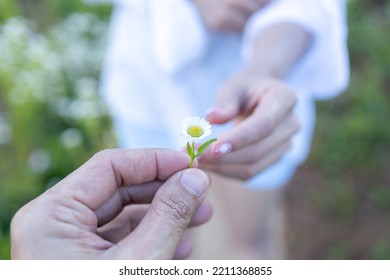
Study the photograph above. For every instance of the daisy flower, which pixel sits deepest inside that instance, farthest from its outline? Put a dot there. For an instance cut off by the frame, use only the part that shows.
(196, 130)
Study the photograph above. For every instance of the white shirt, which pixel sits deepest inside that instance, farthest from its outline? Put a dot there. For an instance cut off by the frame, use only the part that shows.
(163, 64)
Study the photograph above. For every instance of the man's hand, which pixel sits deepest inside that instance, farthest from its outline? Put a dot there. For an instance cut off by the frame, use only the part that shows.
(228, 16)
(121, 204)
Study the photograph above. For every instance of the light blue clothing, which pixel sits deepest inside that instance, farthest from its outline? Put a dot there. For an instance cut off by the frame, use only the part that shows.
(162, 68)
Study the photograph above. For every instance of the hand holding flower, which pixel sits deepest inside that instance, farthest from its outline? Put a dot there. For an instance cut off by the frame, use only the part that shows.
(264, 124)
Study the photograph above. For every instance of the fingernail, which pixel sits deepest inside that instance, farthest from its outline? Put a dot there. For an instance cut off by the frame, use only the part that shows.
(212, 111)
(195, 181)
(222, 149)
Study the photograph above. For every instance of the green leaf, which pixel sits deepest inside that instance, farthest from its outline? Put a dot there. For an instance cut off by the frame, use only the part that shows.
(204, 146)
(189, 150)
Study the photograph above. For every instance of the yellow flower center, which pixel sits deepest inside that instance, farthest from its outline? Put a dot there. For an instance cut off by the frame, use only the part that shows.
(195, 131)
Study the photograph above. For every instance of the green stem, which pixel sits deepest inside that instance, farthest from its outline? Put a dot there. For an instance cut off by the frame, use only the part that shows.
(193, 154)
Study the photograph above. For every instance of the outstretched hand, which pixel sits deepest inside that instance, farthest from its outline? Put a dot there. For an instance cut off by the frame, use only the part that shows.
(264, 125)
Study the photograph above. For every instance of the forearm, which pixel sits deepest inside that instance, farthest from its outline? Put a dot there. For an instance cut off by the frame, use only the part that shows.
(277, 49)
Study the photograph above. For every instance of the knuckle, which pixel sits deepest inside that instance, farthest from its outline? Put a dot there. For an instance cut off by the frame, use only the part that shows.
(106, 153)
(288, 93)
(249, 171)
(255, 153)
(252, 157)
(282, 90)
(268, 125)
(178, 212)
(259, 151)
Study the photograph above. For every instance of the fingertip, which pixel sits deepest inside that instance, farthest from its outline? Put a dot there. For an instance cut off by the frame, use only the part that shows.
(169, 162)
(221, 149)
(213, 115)
(196, 181)
(219, 115)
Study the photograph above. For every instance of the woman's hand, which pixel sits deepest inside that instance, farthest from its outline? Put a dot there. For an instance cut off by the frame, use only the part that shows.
(264, 124)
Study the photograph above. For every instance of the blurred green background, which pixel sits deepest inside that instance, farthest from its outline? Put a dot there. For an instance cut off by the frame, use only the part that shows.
(52, 120)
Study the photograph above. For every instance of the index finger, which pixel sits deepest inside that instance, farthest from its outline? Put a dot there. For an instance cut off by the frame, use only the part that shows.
(269, 112)
(96, 181)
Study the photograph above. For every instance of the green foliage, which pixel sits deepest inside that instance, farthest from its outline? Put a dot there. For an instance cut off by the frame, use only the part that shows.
(51, 117)
(351, 149)
(338, 200)
(359, 134)
(381, 250)
(381, 197)
(355, 126)
(4, 247)
(8, 8)
(204, 146)
(338, 252)
(47, 12)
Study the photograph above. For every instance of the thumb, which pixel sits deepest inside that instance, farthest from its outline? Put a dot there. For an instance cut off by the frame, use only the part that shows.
(169, 215)
(227, 103)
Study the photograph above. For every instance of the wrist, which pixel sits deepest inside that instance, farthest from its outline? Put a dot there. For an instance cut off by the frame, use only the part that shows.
(262, 69)
(277, 49)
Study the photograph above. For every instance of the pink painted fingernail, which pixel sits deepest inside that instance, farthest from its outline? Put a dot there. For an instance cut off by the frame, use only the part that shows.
(222, 149)
(212, 111)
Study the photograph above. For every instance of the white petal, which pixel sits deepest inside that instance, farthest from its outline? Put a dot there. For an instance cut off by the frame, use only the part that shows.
(196, 121)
